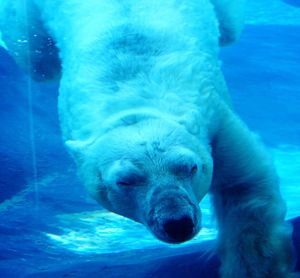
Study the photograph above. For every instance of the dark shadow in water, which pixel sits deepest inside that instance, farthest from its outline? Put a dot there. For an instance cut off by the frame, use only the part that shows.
(295, 3)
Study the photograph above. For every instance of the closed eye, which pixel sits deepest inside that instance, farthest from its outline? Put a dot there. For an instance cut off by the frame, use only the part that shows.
(185, 170)
(183, 163)
(123, 183)
(130, 179)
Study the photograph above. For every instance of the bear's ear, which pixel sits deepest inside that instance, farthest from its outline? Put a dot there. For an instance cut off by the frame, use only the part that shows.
(76, 149)
(230, 14)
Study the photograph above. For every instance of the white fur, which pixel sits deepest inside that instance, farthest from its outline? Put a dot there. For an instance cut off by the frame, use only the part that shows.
(145, 113)
(231, 18)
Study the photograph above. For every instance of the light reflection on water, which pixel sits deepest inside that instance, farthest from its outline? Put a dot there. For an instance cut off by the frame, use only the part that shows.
(106, 232)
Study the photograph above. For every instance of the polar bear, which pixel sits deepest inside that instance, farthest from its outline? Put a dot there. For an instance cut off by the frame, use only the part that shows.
(145, 113)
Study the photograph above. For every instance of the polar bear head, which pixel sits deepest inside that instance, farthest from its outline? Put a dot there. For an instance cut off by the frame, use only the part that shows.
(154, 172)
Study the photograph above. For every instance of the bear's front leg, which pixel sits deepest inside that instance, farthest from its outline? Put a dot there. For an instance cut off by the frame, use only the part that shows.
(254, 240)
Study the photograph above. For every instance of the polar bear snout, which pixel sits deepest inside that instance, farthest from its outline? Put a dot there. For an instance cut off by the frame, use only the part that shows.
(180, 229)
(175, 228)
(173, 217)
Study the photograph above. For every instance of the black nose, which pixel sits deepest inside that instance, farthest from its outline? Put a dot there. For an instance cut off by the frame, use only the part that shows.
(180, 229)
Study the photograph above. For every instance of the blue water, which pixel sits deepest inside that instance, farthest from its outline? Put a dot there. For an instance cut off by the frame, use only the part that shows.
(58, 231)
